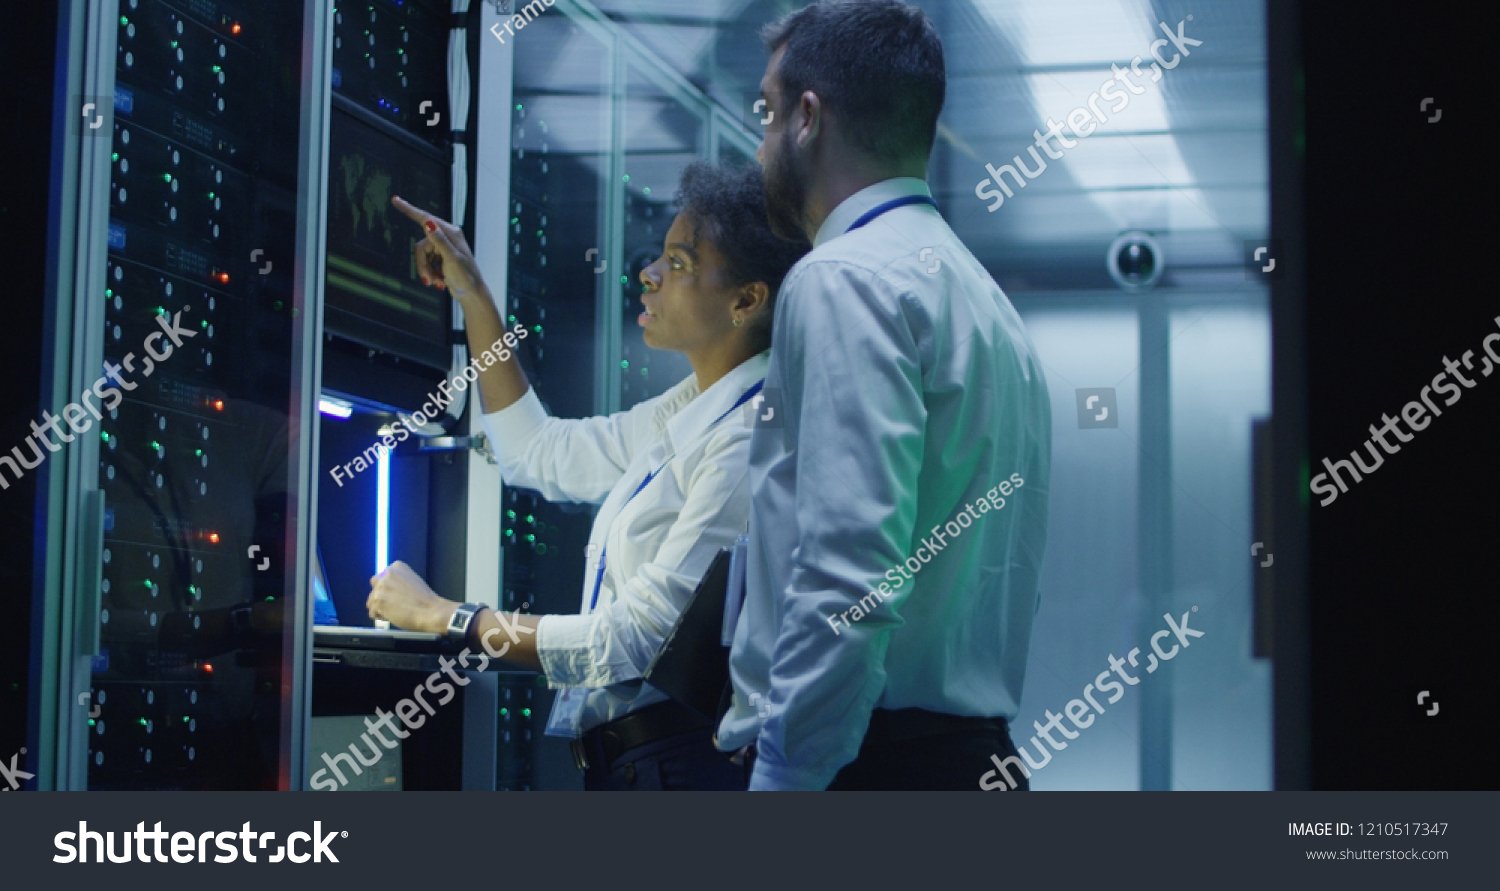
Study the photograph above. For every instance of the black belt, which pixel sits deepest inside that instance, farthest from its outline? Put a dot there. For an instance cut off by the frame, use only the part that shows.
(602, 746)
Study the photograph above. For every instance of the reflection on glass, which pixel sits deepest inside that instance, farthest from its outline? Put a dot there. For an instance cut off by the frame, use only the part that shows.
(560, 131)
(662, 137)
(194, 442)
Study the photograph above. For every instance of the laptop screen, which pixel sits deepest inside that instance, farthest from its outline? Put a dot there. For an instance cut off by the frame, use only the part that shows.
(324, 612)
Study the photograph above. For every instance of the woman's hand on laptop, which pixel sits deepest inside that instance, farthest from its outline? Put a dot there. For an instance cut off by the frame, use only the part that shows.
(399, 596)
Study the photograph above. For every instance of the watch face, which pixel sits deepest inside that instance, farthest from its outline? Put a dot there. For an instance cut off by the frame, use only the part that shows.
(460, 621)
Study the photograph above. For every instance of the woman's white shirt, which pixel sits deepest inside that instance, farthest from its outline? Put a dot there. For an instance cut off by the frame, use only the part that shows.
(659, 543)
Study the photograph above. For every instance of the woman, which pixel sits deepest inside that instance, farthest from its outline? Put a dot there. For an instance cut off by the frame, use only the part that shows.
(671, 473)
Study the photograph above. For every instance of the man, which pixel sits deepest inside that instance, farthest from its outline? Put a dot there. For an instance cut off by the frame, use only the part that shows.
(899, 471)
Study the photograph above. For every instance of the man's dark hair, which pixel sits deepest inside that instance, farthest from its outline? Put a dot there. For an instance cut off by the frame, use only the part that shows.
(728, 204)
(876, 64)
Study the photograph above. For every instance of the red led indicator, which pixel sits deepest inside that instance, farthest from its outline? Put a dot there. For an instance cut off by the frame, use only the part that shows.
(223, 278)
(235, 29)
(218, 404)
(213, 538)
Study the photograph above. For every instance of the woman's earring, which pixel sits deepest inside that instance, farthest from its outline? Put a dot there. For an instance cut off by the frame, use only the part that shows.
(736, 321)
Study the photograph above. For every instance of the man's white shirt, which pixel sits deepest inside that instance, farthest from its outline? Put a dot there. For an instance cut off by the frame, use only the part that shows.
(902, 390)
(659, 543)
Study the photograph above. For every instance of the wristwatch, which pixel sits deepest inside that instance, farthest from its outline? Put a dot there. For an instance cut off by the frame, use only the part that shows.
(462, 619)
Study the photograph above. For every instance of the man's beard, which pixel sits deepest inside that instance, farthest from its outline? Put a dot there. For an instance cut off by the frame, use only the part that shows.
(786, 195)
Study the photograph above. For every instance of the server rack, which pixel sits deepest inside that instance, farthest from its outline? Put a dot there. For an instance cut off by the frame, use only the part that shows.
(172, 654)
(172, 634)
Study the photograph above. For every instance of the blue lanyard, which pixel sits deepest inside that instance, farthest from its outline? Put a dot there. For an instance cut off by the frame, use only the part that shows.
(604, 555)
(874, 212)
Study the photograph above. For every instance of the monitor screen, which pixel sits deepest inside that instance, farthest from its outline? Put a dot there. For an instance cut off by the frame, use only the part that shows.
(324, 612)
(374, 296)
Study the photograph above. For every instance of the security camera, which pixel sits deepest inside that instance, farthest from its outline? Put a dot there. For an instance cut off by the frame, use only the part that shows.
(1135, 261)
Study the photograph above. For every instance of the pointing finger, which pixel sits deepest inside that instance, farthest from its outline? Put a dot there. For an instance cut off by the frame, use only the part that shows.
(416, 215)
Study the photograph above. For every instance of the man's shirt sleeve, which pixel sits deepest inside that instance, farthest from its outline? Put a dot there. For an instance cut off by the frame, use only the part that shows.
(853, 378)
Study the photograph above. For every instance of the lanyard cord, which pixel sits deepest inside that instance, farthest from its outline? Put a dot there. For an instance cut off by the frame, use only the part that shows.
(891, 205)
(604, 555)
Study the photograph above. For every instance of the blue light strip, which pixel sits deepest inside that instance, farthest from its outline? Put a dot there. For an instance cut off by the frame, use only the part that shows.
(382, 509)
(335, 408)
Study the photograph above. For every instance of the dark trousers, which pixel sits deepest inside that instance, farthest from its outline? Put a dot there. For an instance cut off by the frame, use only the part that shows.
(916, 750)
(680, 763)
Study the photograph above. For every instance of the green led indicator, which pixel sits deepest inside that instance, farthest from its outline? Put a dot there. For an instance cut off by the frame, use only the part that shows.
(626, 177)
(537, 328)
(114, 156)
(625, 363)
(124, 20)
(217, 68)
(198, 453)
(525, 712)
(519, 106)
(530, 518)
(203, 324)
(624, 279)
(109, 292)
(511, 318)
(141, 721)
(150, 584)
(531, 538)
(155, 446)
(510, 515)
(646, 190)
(104, 435)
(504, 712)
(211, 196)
(166, 177)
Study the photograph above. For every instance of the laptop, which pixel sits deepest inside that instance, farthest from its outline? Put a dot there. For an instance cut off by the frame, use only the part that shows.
(330, 632)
